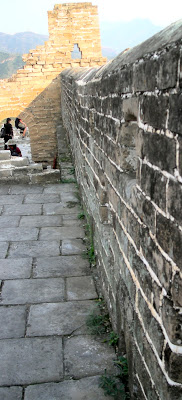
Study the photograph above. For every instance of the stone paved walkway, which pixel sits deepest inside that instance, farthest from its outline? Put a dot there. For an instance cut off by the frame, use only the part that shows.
(47, 291)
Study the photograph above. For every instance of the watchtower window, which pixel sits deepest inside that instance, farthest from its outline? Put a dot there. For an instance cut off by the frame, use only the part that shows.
(76, 53)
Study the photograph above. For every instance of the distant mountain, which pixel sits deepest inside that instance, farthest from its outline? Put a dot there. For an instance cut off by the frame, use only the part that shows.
(20, 43)
(115, 37)
(9, 63)
(109, 53)
(120, 35)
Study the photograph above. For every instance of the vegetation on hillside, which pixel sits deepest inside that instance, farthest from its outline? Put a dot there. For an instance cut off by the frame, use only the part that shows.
(9, 63)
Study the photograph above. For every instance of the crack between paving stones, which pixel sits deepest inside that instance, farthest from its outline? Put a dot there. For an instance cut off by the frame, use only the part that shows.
(34, 266)
(8, 249)
(65, 290)
(23, 393)
(23, 201)
(38, 236)
(63, 347)
(1, 287)
(26, 320)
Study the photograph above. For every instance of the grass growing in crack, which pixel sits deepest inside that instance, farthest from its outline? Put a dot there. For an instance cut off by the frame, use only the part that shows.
(69, 180)
(66, 158)
(81, 215)
(98, 323)
(71, 204)
(72, 171)
(113, 339)
(116, 385)
(90, 252)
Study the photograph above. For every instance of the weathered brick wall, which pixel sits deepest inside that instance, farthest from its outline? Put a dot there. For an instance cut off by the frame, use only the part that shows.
(33, 93)
(124, 122)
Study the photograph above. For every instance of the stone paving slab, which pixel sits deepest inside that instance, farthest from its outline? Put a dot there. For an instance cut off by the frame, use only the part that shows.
(4, 189)
(83, 389)
(13, 199)
(55, 208)
(11, 393)
(9, 222)
(30, 360)
(23, 209)
(42, 198)
(59, 318)
(61, 233)
(72, 222)
(24, 189)
(67, 197)
(34, 249)
(3, 249)
(33, 291)
(61, 266)
(70, 217)
(60, 188)
(86, 356)
(12, 322)
(41, 220)
(19, 268)
(81, 288)
(72, 246)
(18, 234)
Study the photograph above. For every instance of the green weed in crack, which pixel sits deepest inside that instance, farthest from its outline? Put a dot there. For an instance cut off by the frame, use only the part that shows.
(98, 323)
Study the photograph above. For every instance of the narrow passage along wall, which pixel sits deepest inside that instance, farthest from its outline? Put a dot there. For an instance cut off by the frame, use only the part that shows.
(124, 122)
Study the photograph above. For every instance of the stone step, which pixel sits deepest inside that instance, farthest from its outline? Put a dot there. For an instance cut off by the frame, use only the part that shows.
(47, 176)
(14, 162)
(30, 175)
(5, 154)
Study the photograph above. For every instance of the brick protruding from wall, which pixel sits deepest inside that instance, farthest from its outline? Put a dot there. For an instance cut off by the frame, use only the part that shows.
(33, 93)
(124, 125)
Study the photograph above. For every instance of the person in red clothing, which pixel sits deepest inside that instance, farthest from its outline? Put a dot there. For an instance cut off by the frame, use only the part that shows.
(15, 151)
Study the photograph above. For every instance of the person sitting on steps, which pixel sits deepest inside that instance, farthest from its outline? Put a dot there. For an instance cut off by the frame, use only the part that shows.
(21, 125)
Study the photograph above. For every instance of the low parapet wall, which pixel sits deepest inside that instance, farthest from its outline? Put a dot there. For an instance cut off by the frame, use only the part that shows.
(124, 123)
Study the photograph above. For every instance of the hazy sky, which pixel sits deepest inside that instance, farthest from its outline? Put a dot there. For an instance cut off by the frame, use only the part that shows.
(31, 15)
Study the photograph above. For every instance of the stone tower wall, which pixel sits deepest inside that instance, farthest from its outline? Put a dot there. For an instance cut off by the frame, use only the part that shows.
(33, 93)
(124, 122)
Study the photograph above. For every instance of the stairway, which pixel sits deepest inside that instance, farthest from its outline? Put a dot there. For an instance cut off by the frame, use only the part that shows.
(20, 170)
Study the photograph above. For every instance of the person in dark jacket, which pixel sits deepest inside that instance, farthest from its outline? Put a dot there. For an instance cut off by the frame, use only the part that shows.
(8, 130)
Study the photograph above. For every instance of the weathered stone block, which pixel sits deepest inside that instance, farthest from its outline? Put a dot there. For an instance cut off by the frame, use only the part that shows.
(154, 111)
(153, 183)
(5, 154)
(169, 238)
(131, 109)
(140, 270)
(156, 148)
(144, 209)
(168, 69)
(175, 117)
(145, 75)
(177, 290)
(151, 325)
(172, 320)
(180, 155)
(174, 200)
(161, 267)
(173, 364)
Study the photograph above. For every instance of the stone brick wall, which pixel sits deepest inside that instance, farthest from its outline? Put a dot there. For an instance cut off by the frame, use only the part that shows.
(124, 123)
(33, 93)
